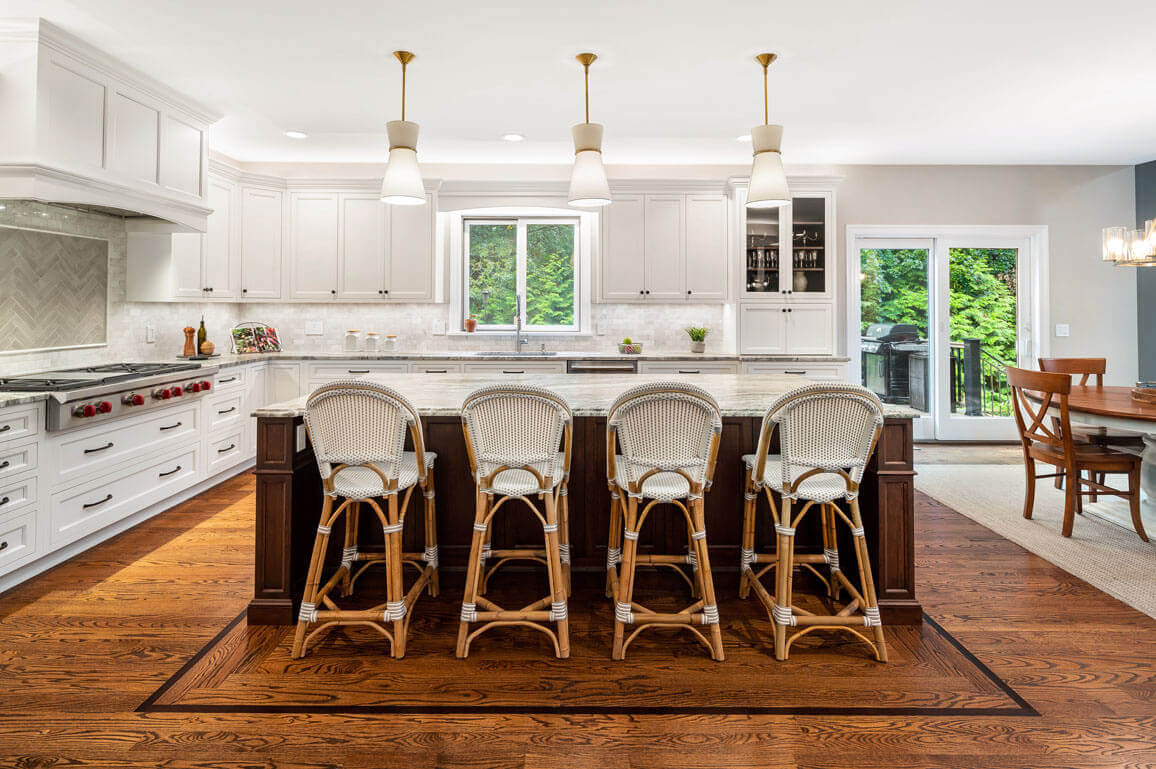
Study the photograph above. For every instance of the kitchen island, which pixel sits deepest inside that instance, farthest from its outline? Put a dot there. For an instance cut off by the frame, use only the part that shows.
(289, 487)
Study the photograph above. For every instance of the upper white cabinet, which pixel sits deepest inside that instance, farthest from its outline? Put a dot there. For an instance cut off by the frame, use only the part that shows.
(788, 252)
(261, 227)
(222, 265)
(363, 258)
(411, 251)
(314, 244)
(665, 247)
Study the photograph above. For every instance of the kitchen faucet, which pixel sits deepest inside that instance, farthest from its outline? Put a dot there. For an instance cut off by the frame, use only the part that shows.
(519, 340)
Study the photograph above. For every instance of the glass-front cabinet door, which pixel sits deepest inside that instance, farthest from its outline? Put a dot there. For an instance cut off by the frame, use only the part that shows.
(789, 251)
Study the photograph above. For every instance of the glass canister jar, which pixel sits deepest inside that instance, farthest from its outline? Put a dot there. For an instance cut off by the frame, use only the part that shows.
(389, 344)
(352, 340)
(371, 341)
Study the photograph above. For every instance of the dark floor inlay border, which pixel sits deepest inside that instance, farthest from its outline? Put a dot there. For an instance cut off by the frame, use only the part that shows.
(1022, 707)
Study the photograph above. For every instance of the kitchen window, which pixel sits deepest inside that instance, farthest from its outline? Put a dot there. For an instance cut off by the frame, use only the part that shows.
(535, 259)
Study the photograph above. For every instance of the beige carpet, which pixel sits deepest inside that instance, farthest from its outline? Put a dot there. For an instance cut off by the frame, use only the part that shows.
(1103, 554)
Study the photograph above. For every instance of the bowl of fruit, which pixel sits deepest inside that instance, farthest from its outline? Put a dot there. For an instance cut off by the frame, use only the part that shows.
(629, 347)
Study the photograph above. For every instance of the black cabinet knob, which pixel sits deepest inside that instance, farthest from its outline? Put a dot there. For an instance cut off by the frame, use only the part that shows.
(333, 291)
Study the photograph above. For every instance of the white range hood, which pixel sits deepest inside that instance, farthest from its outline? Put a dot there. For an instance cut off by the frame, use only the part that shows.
(81, 128)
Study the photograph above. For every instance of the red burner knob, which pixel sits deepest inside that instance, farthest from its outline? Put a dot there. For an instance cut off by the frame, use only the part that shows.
(133, 399)
(177, 391)
(104, 407)
(138, 400)
(206, 386)
(87, 410)
(162, 394)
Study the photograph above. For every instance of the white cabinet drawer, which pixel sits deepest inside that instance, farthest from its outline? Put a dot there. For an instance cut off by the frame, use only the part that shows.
(106, 446)
(16, 458)
(225, 410)
(21, 422)
(84, 509)
(225, 451)
(233, 378)
(18, 542)
(515, 367)
(16, 494)
(816, 371)
(436, 367)
(689, 367)
(354, 369)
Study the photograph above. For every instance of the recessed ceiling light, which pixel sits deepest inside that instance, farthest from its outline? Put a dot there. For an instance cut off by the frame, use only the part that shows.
(295, 134)
(513, 137)
(743, 138)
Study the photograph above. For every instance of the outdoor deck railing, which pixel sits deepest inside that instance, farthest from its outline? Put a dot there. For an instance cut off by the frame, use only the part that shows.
(978, 381)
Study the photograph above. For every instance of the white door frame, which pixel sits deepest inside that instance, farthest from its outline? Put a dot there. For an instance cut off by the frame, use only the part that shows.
(1033, 315)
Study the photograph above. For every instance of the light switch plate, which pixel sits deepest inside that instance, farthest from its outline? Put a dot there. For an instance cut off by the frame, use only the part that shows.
(314, 328)
(1062, 329)
(150, 333)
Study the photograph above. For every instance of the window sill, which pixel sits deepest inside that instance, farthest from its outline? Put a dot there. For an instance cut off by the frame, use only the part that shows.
(532, 334)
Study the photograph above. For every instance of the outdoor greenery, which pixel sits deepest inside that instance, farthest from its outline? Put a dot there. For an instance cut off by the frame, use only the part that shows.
(982, 285)
(549, 276)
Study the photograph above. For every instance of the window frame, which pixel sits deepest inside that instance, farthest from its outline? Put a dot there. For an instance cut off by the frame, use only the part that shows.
(522, 223)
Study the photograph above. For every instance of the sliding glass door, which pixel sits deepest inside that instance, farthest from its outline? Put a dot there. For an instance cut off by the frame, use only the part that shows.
(939, 320)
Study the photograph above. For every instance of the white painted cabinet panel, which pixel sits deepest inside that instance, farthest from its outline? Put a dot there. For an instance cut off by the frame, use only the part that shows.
(314, 245)
(261, 243)
(411, 251)
(180, 161)
(221, 271)
(135, 137)
(706, 247)
(663, 247)
(363, 247)
(256, 396)
(187, 264)
(623, 277)
(810, 329)
(73, 113)
(284, 382)
(762, 329)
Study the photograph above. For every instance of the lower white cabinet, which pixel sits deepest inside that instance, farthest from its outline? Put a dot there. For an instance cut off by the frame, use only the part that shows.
(816, 371)
(18, 541)
(786, 329)
(283, 382)
(689, 367)
(227, 449)
(514, 367)
(435, 367)
(17, 494)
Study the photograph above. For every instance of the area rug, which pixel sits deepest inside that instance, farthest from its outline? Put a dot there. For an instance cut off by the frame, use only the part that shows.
(250, 669)
(1103, 554)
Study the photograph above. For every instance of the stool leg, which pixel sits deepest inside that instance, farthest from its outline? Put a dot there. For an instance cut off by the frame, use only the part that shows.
(625, 575)
(320, 542)
(710, 605)
(395, 586)
(692, 559)
(483, 575)
(431, 536)
(750, 506)
(564, 533)
(557, 578)
(473, 573)
(785, 549)
(613, 542)
(867, 580)
(831, 550)
(352, 519)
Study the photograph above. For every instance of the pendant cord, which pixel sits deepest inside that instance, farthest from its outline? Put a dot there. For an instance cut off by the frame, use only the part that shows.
(403, 90)
(586, 78)
(766, 118)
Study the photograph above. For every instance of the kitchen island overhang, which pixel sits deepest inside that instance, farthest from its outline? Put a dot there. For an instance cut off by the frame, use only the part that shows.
(289, 486)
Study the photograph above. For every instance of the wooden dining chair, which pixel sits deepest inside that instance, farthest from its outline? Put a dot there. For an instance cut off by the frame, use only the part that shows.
(1033, 393)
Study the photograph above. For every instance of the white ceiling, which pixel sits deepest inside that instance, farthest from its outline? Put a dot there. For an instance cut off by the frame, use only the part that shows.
(891, 81)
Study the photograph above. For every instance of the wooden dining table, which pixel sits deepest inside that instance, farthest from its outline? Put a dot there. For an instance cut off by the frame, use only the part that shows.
(1114, 407)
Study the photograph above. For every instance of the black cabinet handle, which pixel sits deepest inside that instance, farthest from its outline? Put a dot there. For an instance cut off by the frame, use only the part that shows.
(3, 464)
(105, 447)
(788, 371)
(176, 469)
(357, 371)
(5, 428)
(3, 545)
(513, 372)
(226, 381)
(436, 371)
(3, 501)
(226, 411)
(689, 371)
(230, 447)
(95, 504)
(172, 427)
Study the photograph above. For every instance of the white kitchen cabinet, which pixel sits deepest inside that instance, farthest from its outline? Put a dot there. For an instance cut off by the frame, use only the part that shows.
(706, 248)
(686, 367)
(284, 382)
(411, 251)
(762, 329)
(221, 270)
(261, 253)
(810, 329)
(786, 328)
(256, 396)
(623, 275)
(788, 252)
(435, 367)
(363, 259)
(315, 219)
(663, 239)
(515, 366)
(822, 372)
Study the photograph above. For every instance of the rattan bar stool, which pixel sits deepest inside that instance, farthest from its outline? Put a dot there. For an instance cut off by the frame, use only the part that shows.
(513, 433)
(358, 430)
(827, 433)
(662, 442)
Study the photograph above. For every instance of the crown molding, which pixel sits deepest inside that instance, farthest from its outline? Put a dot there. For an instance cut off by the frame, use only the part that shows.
(803, 181)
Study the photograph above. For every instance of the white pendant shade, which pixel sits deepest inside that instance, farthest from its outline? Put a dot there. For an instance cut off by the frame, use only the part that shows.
(588, 185)
(768, 187)
(402, 185)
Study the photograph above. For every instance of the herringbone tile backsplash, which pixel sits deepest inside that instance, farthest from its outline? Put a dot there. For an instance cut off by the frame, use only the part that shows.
(54, 291)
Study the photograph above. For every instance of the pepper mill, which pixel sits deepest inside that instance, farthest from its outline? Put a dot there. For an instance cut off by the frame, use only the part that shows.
(190, 343)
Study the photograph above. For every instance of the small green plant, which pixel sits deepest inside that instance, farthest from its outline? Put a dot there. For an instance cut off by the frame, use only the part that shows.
(697, 333)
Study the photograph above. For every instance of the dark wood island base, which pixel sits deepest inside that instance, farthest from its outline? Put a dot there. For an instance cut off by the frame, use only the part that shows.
(289, 503)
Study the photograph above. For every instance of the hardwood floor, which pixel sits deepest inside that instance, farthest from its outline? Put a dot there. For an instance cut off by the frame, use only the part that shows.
(84, 645)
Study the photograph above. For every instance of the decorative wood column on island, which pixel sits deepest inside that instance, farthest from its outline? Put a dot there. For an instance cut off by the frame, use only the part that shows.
(289, 487)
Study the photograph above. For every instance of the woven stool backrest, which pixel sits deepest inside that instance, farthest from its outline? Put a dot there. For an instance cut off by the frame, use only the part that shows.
(353, 422)
(514, 425)
(831, 427)
(666, 425)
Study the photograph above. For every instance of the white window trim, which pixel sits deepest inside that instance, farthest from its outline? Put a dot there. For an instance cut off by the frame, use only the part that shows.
(456, 260)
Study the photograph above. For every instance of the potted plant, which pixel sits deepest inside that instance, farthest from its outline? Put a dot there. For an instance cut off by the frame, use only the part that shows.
(697, 336)
(471, 323)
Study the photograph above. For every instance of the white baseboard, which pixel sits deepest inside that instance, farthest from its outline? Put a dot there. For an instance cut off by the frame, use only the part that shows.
(57, 557)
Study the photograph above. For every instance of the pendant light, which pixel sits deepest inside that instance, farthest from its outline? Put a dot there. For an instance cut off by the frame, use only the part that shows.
(588, 185)
(768, 187)
(402, 185)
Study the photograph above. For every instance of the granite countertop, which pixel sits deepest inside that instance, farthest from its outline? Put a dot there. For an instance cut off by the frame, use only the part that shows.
(738, 395)
(227, 360)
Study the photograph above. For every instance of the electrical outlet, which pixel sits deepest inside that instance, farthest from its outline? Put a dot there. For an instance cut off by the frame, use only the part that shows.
(439, 328)
(1062, 329)
(314, 328)
(150, 333)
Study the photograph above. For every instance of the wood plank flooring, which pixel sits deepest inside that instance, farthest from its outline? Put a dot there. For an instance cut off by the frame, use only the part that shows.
(84, 645)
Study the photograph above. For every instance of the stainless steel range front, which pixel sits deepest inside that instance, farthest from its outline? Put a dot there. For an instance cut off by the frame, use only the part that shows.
(93, 394)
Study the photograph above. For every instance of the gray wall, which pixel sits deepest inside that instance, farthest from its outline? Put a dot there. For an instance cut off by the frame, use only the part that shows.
(1146, 276)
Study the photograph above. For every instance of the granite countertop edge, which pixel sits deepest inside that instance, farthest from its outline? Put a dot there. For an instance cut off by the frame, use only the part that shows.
(226, 361)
